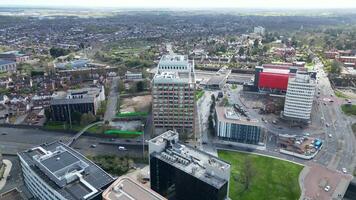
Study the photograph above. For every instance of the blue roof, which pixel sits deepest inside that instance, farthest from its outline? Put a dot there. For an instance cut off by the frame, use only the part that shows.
(5, 62)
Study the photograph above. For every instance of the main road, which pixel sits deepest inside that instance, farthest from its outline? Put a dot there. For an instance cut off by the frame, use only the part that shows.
(339, 148)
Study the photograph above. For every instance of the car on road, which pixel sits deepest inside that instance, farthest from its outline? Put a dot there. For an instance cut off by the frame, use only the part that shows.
(3, 133)
(306, 134)
(327, 188)
(93, 145)
(330, 136)
(121, 148)
(280, 127)
(327, 125)
(344, 170)
(324, 104)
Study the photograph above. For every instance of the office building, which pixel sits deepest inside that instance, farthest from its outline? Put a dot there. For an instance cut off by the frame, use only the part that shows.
(14, 56)
(57, 172)
(299, 97)
(182, 172)
(85, 100)
(173, 89)
(232, 125)
(125, 188)
(7, 66)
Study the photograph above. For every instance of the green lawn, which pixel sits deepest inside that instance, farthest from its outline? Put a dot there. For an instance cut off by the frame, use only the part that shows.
(340, 94)
(131, 114)
(349, 109)
(199, 94)
(272, 179)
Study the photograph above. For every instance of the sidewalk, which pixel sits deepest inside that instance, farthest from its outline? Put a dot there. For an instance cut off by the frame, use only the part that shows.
(8, 166)
(302, 176)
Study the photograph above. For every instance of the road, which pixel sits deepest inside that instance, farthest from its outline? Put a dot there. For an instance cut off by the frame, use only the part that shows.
(339, 149)
(111, 106)
(17, 140)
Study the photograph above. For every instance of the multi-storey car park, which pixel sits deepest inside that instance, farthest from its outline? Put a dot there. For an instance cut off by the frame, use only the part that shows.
(173, 90)
(57, 172)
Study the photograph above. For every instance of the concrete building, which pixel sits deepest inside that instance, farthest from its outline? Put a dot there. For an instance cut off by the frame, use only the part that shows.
(234, 126)
(57, 172)
(14, 56)
(125, 188)
(7, 66)
(83, 100)
(173, 91)
(182, 172)
(130, 76)
(299, 97)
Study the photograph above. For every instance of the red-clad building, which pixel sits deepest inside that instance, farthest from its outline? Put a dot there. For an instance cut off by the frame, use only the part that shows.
(273, 81)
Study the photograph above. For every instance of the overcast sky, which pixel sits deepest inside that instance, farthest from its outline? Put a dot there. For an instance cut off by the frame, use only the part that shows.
(297, 4)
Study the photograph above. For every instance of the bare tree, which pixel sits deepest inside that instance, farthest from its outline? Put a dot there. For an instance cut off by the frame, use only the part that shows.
(247, 173)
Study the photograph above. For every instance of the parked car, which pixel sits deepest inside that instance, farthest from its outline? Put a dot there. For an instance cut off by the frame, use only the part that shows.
(327, 188)
(121, 148)
(344, 170)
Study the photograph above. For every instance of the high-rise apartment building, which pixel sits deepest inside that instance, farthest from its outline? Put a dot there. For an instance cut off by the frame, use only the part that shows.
(173, 90)
(182, 172)
(299, 97)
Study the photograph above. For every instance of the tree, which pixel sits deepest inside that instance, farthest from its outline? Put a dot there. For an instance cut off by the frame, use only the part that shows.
(87, 118)
(76, 116)
(247, 173)
(241, 51)
(140, 86)
(57, 52)
(335, 67)
(256, 43)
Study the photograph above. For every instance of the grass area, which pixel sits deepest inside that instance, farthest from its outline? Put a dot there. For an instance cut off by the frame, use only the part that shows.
(113, 164)
(124, 133)
(341, 94)
(309, 66)
(270, 178)
(349, 109)
(199, 94)
(132, 114)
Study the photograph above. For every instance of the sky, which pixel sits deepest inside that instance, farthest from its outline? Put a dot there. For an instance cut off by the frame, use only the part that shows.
(291, 4)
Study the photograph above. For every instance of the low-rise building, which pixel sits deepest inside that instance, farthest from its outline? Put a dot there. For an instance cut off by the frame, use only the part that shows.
(131, 76)
(125, 188)
(55, 171)
(182, 172)
(14, 56)
(238, 127)
(83, 100)
(7, 66)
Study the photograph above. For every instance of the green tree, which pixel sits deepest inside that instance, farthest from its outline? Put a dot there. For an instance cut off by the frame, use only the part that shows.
(335, 67)
(140, 86)
(76, 116)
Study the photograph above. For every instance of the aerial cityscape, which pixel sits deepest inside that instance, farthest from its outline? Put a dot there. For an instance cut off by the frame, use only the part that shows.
(178, 100)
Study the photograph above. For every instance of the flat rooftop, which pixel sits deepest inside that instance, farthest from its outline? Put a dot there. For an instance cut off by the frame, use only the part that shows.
(83, 95)
(66, 171)
(195, 162)
(126, 188)
(229, 115)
